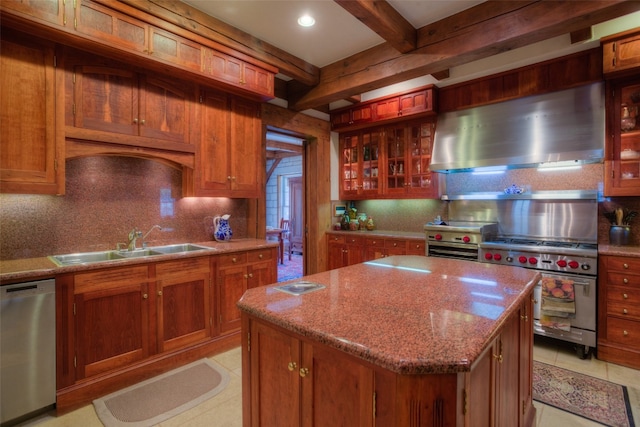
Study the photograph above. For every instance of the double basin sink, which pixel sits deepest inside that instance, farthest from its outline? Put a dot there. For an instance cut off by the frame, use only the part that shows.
(93, 257)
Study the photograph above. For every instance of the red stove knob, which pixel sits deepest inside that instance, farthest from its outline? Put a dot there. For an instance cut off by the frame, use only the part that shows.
(533, 260)
(497, 257)
(561, 263)
(488, 256)
(438, 236)
(522, 259)
(466, 239)
(574, 264)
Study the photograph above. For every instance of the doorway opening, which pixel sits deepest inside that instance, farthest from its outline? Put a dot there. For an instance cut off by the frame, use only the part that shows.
(285, 200)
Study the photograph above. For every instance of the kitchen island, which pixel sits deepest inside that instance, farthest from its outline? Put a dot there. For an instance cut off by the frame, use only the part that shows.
(400, 341)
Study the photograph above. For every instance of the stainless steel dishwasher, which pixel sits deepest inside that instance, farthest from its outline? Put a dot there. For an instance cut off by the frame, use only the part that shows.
(27, 349)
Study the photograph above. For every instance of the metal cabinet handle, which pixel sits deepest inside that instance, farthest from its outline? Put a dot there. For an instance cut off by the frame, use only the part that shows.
(524, 317)
(498, 357)
(292, 366)
(304, 372)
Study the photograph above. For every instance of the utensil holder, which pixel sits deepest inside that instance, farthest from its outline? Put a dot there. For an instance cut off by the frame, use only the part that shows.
(619, 235)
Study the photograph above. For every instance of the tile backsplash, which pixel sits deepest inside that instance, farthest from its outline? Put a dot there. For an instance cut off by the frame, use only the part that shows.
(105, 198)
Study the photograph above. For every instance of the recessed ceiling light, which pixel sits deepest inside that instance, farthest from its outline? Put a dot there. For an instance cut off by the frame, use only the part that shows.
(306, 21)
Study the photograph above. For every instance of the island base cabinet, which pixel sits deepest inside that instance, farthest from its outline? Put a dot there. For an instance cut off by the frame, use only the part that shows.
(291, 380)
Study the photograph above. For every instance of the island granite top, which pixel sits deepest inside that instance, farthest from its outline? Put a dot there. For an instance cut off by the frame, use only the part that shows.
(408, 314)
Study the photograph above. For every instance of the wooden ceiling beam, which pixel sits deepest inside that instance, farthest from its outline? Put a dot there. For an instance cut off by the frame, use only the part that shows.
(385, 21)
(479, 32)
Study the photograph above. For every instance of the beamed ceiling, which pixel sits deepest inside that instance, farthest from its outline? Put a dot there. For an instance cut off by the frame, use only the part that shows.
(405, 52)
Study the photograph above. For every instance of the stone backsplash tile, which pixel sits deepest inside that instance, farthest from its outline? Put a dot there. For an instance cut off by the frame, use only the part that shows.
(105, 198)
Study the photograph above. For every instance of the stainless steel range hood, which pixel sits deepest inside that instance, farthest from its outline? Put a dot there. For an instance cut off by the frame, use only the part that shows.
(567, 125)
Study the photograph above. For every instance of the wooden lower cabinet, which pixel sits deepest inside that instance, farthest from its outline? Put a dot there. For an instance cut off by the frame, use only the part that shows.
(111, 319)
(619, 310)
(184, 301)
(343, 250)
(120, 325)
(290, 380)
(238, 272)
(375, 247)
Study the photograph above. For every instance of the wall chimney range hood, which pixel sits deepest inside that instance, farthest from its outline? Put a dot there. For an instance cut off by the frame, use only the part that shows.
(560, 126)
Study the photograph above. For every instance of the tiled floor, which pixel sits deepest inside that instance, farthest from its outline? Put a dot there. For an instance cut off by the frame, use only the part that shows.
(225, 409)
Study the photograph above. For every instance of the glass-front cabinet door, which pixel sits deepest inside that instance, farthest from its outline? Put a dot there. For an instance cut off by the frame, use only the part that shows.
(622, 169)
(395, 167)
(420, 143)
(360, 165)
(349, 169)
(370, 163)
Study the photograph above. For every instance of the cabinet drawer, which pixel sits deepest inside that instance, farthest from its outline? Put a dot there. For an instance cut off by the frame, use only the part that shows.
(353, 240)
(623, 279)
(334, 238)
(625, 332)
(373, 242)
(111, 278)
(261, 255)
(622, 294)
(232, 259)
(631, 311)
(415, 247)
(624, 264)
(182, 267)
(395, 243)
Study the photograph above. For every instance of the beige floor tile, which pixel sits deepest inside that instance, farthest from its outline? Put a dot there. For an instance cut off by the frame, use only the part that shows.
(545, 353)
(593, 367)
(634, 400)
(552, 417)
(623, 375)
(231, 360)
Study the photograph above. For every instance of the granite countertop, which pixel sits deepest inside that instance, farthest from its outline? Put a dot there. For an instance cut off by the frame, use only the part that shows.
(632, 251)
(42, 267)
(382, 233)
(409, 314)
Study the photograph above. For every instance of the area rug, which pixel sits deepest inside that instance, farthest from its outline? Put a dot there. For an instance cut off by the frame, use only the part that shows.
(159, 398)
(597, 400)
(291, 269)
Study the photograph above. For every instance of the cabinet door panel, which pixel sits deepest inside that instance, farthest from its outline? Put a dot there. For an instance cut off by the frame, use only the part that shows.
(165, 110)
(233, 284)
(111, 27)
(245, 147)
(258, 80)
(48, 10)
(111, 329)
(175, 49)
(275, 381)
(213, 151)
(30, 145)
(106, 99)
(337, 391)
(184, 315)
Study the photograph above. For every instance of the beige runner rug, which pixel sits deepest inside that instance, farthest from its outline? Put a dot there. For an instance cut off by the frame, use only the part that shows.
(157, 399)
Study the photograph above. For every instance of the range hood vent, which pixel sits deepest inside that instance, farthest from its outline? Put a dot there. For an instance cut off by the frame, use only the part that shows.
(567, 125)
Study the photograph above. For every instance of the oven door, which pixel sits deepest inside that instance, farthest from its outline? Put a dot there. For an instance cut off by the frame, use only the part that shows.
(583, 325)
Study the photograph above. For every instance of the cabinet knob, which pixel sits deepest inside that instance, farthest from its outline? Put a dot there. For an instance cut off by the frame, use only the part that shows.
(625, 296)
(292, 366)
(145, 296)
(142, 121)
(624, 311)
(234, 259)
(418, 246)
(229, 178)
(251, 275)
(246, 276)
(395, 244)
(498, 357)
(304, 372)
(159, 293)
(374, 242)
(260, 256)
(135, 121)
(524, 317)
(625, 333)
(625, 265)
(625, 280)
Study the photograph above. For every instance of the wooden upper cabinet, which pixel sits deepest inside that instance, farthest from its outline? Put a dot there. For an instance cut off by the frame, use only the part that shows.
(416, 102)
(621, 52)
(238, 73)
(109, 26)
(32, 149)
(51, 11)
(117, 100)
(175, 49)
(228, 152)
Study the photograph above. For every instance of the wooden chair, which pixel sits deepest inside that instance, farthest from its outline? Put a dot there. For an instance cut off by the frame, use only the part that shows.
(285, 225)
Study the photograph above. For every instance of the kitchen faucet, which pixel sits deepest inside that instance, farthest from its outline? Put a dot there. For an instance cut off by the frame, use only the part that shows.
(144, 245)
(133, 236)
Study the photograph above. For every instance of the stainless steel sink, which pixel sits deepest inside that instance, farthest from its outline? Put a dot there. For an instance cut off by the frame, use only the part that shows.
(175, 249)
(104, 256)
(300, 287)
(85, 258)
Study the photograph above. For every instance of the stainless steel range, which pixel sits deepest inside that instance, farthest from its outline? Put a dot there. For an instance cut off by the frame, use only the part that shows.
(553, 233)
